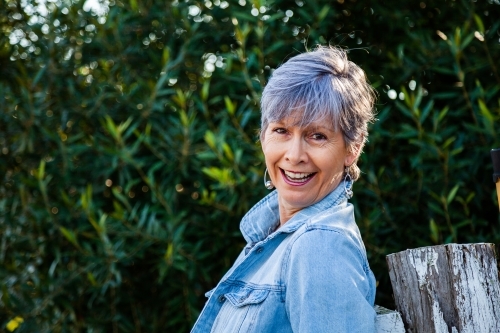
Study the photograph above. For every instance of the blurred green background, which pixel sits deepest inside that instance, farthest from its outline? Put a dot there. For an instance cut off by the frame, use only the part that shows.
(129, 148)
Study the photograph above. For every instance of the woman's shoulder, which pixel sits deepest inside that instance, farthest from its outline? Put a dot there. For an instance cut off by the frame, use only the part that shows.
(321, 239)
(330, 233)
(331, 258)
(336, 223)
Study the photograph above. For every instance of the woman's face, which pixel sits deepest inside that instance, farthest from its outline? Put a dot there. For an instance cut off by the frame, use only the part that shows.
(304, 163)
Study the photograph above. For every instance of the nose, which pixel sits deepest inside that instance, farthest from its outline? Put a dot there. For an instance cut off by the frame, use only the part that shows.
(296, 151)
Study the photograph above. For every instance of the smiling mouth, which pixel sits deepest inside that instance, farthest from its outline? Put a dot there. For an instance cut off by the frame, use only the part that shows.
(297, 178)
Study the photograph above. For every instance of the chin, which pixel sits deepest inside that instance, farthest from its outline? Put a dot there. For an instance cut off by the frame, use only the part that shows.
(296, 200)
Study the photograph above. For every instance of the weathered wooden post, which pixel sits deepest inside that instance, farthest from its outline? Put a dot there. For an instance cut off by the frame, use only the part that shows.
(388, 321)
(495, 156)
(451, 288)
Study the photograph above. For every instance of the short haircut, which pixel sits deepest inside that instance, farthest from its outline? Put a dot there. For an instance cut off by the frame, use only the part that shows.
(325, 86)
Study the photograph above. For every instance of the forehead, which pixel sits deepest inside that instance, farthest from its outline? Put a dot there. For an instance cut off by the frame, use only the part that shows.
(297, 119)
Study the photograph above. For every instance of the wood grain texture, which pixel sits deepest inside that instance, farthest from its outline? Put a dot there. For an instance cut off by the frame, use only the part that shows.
(388, 321)
(447, 288)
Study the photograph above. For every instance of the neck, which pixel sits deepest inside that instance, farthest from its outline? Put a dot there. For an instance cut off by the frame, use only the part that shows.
(286, 213)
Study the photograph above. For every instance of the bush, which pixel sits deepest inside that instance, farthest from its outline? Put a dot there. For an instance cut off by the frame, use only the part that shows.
(130, 150)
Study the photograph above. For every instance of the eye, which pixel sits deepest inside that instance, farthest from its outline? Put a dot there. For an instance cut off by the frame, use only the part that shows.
(279, 130)
(318, 136)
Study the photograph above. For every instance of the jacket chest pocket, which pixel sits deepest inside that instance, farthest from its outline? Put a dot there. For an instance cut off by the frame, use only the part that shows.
(240, 310)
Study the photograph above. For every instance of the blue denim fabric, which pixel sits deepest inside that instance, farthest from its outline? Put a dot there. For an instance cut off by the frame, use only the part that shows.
(310, 275)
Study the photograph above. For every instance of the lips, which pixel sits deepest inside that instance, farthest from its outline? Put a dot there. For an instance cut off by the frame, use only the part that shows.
(297, 178)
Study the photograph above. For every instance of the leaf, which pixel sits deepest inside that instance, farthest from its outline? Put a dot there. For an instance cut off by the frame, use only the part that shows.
(205, 90)
(91, 279)
(168, 253)
(163, 93)
(323, 13)
(121, 197)
(39, 75)
(180, 99)
(223, 176)
(165, 57)
(448, 142)
(230, 106)
(210, 139)
(276, 16)
(456, 151)
(405, 110)
(452, 194)
(485, 112)
(102, 224)
(479, 24)
(417, 101)
(70, 236)
(184, 118)
(434, 231)
(443, 113)
(111, 127)
(123, 126)
(272, 48)
(228, 152)
(212, 172)
(133, 5)
(467, 41)
(425, 112)
(41, 170)
(94, 224)
(435, 208)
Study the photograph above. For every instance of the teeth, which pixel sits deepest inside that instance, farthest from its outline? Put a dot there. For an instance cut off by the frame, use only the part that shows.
(299, 175)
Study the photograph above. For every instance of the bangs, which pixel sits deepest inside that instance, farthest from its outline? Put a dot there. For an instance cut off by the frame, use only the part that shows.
(305, 103)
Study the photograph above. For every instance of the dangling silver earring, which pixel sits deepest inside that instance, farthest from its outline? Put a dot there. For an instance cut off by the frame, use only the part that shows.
(347, 183)
(267, 183)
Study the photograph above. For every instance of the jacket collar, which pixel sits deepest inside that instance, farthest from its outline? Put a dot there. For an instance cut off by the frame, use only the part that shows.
(263, 218)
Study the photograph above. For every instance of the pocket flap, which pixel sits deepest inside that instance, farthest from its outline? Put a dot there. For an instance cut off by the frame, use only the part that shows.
(246, 296)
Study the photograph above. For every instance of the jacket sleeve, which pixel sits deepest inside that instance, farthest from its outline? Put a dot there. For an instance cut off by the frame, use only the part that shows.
(328, 285)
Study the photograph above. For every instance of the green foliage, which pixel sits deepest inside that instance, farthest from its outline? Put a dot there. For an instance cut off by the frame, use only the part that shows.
(129, 146)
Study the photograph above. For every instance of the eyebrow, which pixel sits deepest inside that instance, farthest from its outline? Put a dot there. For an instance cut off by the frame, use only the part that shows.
(311, 126)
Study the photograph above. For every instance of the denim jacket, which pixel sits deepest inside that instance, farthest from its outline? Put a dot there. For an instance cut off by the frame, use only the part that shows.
(310, 275)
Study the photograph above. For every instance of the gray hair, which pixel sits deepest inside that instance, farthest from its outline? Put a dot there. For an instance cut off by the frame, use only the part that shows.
(325, 86)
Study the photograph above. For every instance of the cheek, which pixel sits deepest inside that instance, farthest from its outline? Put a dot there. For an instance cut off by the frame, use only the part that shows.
(336, 152)
(268, 153)
(335, 159)
(269, 146)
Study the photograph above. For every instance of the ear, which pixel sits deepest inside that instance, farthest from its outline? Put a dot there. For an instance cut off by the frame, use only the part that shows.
(353, 153)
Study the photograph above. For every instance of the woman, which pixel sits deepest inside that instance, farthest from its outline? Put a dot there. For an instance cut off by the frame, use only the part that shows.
(304, 268)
